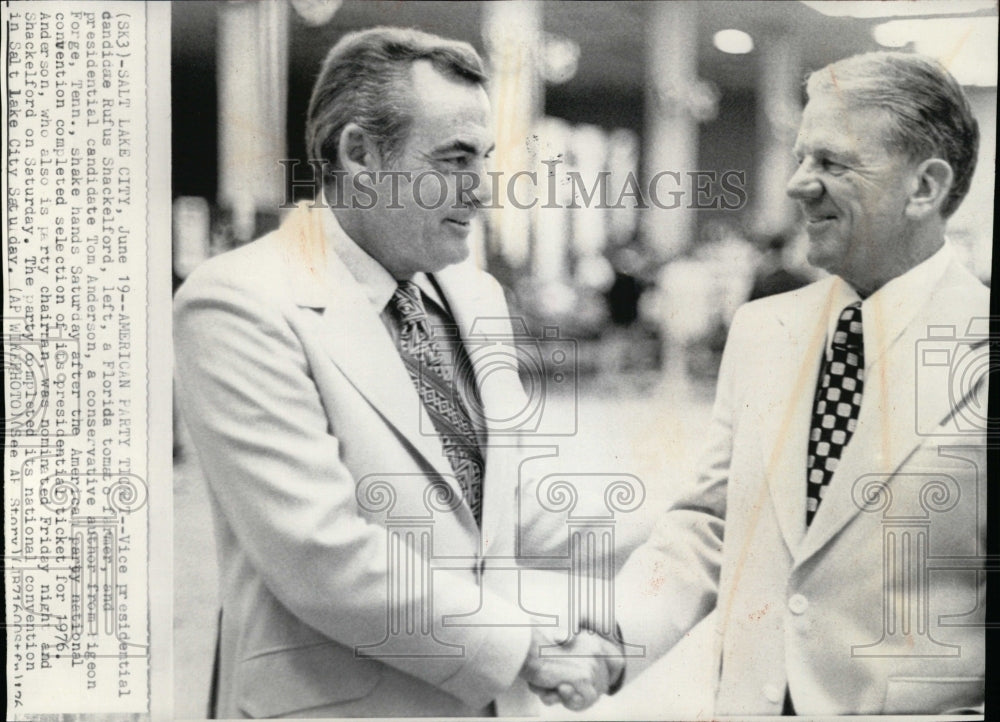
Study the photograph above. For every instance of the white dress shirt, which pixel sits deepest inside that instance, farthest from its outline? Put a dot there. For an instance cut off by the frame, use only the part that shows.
(889, 310)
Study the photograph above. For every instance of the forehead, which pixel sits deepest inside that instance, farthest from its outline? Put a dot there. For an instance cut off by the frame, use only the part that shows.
(443, 108)
(830, 122)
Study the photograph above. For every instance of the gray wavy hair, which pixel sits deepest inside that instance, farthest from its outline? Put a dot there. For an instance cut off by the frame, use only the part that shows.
(929, 113)
(362, 80)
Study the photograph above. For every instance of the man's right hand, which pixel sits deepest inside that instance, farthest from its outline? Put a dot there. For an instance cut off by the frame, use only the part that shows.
(576, 671)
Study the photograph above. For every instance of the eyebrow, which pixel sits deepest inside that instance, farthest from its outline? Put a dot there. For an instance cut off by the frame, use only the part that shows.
(839, 153)
(460, 146)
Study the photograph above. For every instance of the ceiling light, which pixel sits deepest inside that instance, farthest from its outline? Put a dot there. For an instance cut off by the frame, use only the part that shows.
(893, 34)
(561, 58)
(316, 12)
(735, 42)
(966, 46)
(896, 8)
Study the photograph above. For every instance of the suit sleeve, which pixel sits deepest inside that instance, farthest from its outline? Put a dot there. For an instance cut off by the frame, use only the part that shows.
(274, 467)
(671, 581)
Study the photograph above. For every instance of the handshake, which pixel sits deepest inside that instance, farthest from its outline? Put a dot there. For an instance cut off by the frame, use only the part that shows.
(576, 671)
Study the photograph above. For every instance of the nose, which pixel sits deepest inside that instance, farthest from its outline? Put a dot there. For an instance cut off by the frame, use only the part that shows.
(481, 194)
(804, 185)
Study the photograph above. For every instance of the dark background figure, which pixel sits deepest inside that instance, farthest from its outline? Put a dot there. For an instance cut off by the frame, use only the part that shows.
(774, 274)
(624, 292)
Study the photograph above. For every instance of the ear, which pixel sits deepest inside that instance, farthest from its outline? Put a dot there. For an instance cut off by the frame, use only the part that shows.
(356, 152)
(932, 183)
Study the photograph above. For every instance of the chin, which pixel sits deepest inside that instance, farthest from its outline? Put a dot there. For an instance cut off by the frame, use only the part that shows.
(820, 255)
(433, 265)
(817, 260)
(456, 254)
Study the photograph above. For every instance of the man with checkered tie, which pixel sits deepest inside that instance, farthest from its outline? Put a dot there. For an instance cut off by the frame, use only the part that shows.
(837, 524)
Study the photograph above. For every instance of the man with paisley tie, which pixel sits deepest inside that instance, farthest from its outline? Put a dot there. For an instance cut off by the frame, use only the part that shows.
(324, 404)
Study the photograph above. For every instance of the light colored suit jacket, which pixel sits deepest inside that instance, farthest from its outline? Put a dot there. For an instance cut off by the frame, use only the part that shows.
(303, 416)
(878, 606)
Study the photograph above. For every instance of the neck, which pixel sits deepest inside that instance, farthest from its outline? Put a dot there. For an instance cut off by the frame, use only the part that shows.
(917, 254)
(915, 244)
(352, 222)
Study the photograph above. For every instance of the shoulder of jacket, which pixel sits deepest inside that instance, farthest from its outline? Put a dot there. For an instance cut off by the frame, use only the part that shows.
(258, 266)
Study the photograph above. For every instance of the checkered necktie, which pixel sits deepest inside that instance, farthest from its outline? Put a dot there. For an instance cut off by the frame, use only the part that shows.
(838, 400)
(434, 378)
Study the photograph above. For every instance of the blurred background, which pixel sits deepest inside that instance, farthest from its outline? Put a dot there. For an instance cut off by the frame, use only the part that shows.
(626, 88)
(710, 92)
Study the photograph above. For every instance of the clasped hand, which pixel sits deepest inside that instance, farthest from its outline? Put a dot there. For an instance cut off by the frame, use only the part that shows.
(575, 672)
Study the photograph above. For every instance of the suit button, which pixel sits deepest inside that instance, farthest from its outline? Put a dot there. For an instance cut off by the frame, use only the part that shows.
(798, 604)
(772, 694)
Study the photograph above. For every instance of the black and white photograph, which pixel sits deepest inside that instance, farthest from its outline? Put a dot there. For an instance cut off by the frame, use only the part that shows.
(519, 358)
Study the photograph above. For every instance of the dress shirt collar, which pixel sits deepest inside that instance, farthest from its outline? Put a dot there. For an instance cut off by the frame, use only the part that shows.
(889, 310)
(375, 279)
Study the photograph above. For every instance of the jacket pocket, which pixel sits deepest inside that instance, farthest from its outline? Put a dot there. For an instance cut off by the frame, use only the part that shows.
(933, 695)
(278, 682)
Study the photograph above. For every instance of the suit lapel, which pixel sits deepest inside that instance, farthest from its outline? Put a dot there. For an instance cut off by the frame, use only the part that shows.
(887, 431)
(355, 337)
(788, 391)
(361, 346)
(484, 327)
